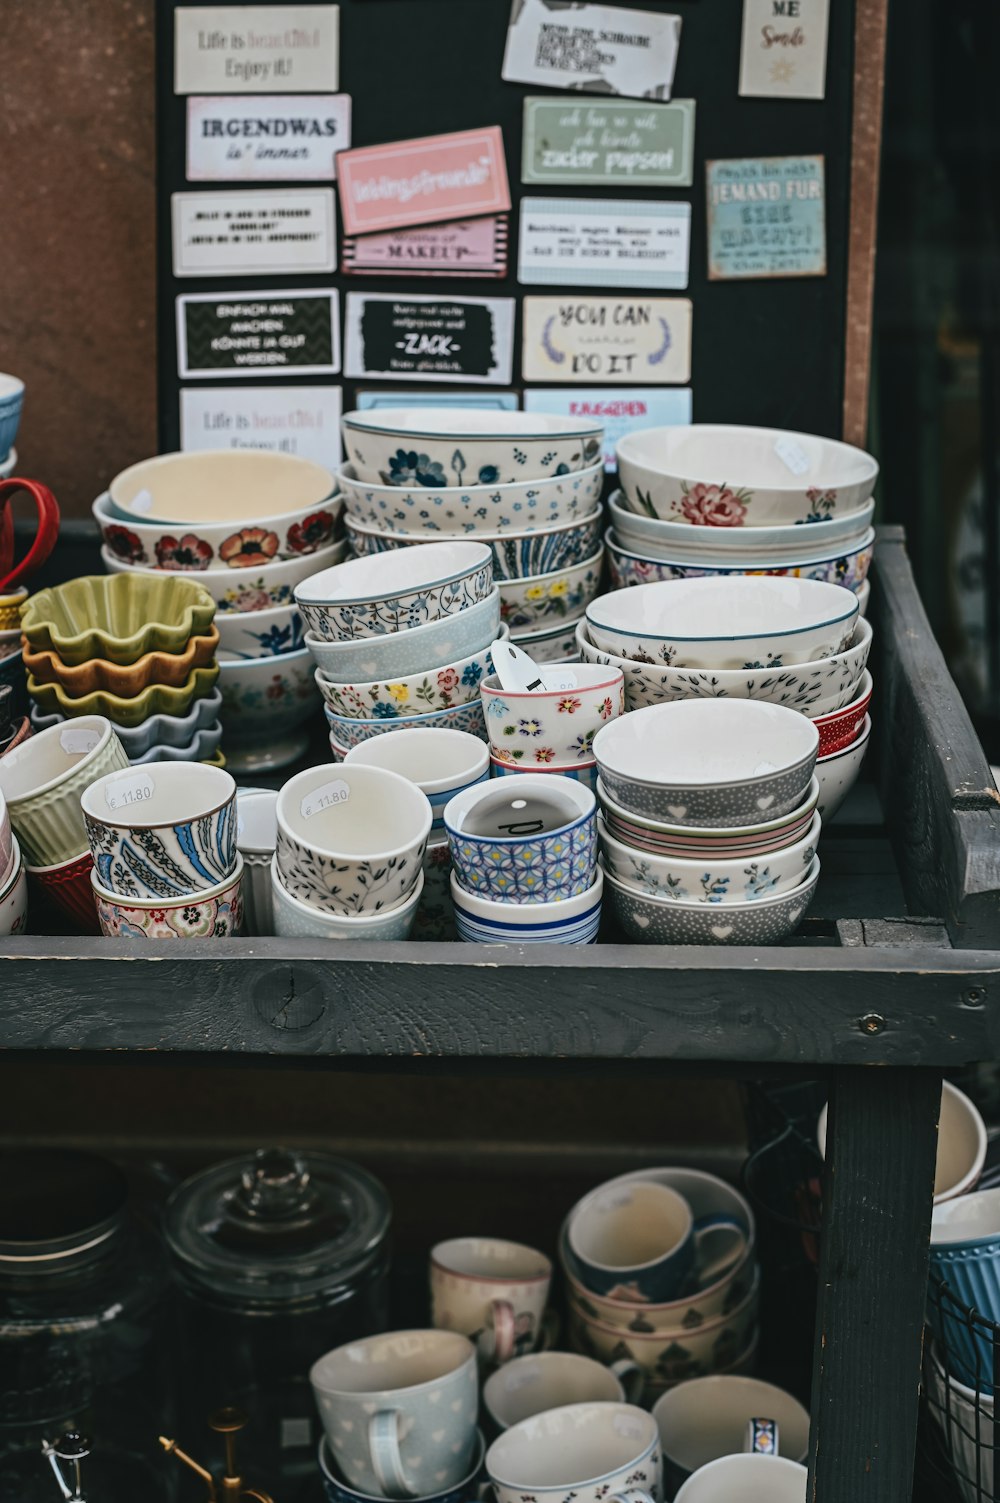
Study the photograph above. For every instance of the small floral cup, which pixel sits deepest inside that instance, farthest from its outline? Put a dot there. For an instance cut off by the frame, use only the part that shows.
(557, 724)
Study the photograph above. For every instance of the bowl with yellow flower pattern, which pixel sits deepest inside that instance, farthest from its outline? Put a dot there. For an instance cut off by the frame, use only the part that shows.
(556, 724)
(437, 689)
(541, 599)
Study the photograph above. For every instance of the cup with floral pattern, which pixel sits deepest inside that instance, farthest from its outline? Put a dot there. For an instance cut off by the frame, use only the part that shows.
(557, 723)
(580, 1453)
(213, 913)
(524, 840)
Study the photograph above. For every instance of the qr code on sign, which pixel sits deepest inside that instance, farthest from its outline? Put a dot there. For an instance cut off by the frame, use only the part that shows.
(570, 49)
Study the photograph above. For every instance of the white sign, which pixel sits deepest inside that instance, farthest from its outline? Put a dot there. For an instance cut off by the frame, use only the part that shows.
(279, 137)
(244, 233)
(301, 420)
(603, 341)
(604, 242)
(783, 55)
(598, 48)
(256, 49)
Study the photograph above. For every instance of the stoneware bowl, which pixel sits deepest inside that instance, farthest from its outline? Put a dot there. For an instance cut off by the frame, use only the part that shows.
(213, 913)
(583, 772)
(441, 762)
(296, 920)
(203, 747)
(812, 688)
(11, 404)
(717, 475)
(552, 644)
(350, 838)
(126, 680)
(529, 841)
(336, 1490)
(165, 831)
(651, 920)
(228, 487)
(696, 843)
(265, 704)
(412, 694)
(256, 838)
(459, 511)
(43, 779)
(516, 554)
(68, 887)
(349, 731)
(656, 538)
(722, 881)
(744, 622)
(570, 921)
(240, 543)
(716, 762)
(244, 590)
(420, 649)
(435, 446)
(392, 592)
(155, 699)
(848, 567)
(591, 1450)
(164, 731)
(839, 729)
(260, 634)
(14, 900)
(553, 725)
(838, 772)
(530, 603)
(119, 619)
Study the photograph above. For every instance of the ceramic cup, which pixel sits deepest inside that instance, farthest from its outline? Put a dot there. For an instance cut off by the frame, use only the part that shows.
(338, 1491)
(440, 761)
(14, 898)
(639, 1242)
(211, 913)
(67, 886)
(594, 1452)
(492, 1291)
(529, 841)
(750, 1479)
(256, 837)
(399, 1410)
(551, 1380)
(43, 778)
(706, 1418)
(553, 725)
(163, 830)
(965, 1255)
(351, 839)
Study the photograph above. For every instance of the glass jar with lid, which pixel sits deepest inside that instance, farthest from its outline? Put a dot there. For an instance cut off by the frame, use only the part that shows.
(84, 1327)
(279, 1256)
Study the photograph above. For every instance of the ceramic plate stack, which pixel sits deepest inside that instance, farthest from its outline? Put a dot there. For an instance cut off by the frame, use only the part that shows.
(250, 525)
(136, 649)
(528, 484)
(799, 643)
(402, 640)
(720, 500)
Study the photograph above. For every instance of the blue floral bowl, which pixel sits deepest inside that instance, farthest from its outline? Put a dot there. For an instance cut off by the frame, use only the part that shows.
(259, 634)
(573, 921)
(432, 446)
(422, 649)
(849, 569)
(516, 555)
(347, 732)
(338, 1491)
(11, 402)
(419, 511)
(374, 595)
(530, 842)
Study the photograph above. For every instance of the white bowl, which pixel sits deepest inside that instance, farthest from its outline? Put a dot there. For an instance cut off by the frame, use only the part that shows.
(413, 694)
(542, 599)
(295, 920)
(231, 544)
(441, 762)
(347, 731)
(646, 919)
(746, 622)
(449, 446)
(259, 634)
(655, 538)
(820, 687)
(713, 474)
(232, 487)
(244, 590)
(633, 566)
(420, 649)
(458, 511)
(838, 772)
(391, 592)
(570, 921)
(265, 703)
(517, 553)
(698, 842)
(544, 726)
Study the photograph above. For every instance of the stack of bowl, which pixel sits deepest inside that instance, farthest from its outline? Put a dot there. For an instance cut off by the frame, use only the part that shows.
(712, 499)
(42, 781)
(163, 842)
(528, 484)
(137, 649)
(795, 642)
(661, 1271)
(524, 862)
(348, 863)
(709, 825)
(552, 729)
(251, 525)
(402, 640)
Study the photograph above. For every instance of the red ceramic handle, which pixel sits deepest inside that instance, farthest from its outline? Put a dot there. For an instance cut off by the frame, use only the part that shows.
(44, 539)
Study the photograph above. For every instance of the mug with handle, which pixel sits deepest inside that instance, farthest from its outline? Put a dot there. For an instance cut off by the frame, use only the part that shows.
(46, 533)
(493, 1291)
(720, 1415)
(590, 1452)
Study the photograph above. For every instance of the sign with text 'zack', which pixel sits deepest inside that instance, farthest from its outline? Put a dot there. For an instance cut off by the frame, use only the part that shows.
(418, 338)
(270, 138)
(269, 333)
(604, 340)
(256, 49)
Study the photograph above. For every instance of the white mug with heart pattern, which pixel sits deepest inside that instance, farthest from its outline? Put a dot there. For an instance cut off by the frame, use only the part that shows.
(493, 1291)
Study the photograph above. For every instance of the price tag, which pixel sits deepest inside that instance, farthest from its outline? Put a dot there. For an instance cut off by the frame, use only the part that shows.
(792, 456)
(141, 502)
(325, 797)
(77, 742)
(559, 677)
(124, 793)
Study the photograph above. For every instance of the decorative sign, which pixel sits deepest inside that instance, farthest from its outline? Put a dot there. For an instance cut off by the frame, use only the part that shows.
(607, 340)
(621, 412)
(241, 234)
(617, 142)
(285, 137)
(487, 401)
(600, 49)
(420, 338)
(256, 49)
(269, 333)
(457, 176)
(604, 242)
(302, 420)
(470, 248)
(766, 218)
(783, 55)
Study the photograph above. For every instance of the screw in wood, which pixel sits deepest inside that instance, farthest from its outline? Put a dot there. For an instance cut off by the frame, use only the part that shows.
(871, 1023)
(975, 996)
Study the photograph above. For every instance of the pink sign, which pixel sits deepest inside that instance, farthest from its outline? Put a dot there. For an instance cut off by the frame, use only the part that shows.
(432, 178)
(468, 248)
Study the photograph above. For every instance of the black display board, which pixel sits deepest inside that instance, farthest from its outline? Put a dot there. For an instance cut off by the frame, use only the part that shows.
(766, 351)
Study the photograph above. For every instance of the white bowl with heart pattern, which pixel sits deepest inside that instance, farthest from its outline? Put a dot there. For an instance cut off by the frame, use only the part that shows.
(449, 446)
(649, 920)
(698, 843)
(391, 592)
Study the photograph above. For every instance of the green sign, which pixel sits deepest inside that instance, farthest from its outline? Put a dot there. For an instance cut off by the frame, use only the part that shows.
(609, 141)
